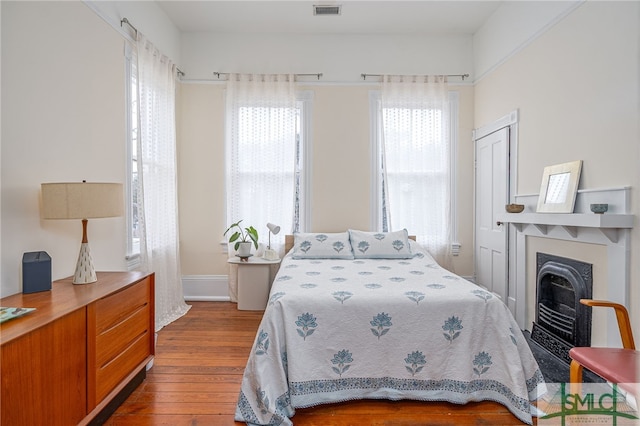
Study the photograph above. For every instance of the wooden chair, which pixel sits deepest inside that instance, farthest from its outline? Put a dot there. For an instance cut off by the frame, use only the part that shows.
(616, 365)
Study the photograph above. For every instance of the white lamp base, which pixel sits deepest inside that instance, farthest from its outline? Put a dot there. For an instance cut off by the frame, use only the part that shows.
(85, 274)
(270, 254)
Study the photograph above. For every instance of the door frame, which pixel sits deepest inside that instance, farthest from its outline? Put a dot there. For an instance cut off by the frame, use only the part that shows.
(514, 301)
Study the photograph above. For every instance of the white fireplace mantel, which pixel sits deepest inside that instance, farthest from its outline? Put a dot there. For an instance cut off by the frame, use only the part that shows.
(611, 229)
(608, 224)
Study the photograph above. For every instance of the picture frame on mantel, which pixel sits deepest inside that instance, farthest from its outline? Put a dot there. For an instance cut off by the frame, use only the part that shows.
(559, 187)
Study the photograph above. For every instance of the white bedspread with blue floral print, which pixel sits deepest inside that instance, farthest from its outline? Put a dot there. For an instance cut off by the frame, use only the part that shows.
(337, 330)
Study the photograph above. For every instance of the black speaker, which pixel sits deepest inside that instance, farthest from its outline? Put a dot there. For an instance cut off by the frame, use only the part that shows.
(36, 272)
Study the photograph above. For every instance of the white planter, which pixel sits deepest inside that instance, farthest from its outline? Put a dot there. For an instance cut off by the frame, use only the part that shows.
(244, 249)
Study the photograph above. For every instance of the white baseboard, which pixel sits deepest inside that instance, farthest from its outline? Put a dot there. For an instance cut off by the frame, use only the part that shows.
(206, 288)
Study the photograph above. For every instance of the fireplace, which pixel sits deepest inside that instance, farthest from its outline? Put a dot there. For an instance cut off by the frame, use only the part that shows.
(561, 321)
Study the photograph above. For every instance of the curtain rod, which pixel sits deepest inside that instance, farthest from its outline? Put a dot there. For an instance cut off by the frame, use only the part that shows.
(316, 74)
(126, 21)
(462, 76)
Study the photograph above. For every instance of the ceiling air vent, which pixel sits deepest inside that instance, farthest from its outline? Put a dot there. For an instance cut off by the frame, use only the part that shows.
(320, 10)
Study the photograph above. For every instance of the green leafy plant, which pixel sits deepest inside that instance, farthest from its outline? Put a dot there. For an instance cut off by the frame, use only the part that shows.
(242, 235)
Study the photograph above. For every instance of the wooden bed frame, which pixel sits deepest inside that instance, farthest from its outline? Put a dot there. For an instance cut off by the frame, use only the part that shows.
(289, 240)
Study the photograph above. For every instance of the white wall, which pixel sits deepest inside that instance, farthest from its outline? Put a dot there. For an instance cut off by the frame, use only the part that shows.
(147, 17)
(340, 118)
(512, 27)
(343, 57)
(578, 93)
(63, 119)
(341, 153)
(0, 158)
(340, 57)
(340, 124)
(63, 110)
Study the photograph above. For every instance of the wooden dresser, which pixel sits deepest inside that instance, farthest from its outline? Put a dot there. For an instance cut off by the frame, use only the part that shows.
(63, 363)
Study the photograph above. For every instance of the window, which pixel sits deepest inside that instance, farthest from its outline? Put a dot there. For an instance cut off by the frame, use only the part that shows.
(131, 192)
(262, 160)
(409, 194)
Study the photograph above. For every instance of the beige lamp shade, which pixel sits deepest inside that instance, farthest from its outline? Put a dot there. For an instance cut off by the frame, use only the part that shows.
(82, 200)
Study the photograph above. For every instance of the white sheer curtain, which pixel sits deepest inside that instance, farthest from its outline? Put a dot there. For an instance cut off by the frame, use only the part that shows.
(415, 158)
(157, 183)
(261, 120)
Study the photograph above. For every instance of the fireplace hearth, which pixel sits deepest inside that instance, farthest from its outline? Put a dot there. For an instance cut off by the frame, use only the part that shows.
(561, 321)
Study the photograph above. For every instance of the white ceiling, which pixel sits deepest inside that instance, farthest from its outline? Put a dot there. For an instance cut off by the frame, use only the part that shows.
(358, 16)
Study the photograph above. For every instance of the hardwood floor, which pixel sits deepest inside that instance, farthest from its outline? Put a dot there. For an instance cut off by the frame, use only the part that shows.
(198, 369)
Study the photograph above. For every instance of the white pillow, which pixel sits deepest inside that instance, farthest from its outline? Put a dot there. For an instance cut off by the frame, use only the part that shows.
(380, 245)
(322, 246)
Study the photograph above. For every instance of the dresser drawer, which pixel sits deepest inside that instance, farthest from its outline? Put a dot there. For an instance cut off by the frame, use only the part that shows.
(109, 375)
(121, 337)
(116, 308)
(116, 339)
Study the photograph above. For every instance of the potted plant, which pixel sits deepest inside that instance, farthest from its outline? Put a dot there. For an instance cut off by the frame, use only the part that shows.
(242, 237)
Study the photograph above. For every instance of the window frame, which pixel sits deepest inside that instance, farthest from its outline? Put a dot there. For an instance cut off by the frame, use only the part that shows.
(133, 244)
(376, 176)
(304, 100)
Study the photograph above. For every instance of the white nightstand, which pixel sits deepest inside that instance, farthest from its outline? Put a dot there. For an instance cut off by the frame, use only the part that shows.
(254, 282)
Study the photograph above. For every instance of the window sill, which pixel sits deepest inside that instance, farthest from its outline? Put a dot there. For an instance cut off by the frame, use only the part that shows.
(133, 261)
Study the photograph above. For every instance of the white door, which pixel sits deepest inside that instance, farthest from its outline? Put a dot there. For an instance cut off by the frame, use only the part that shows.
(492, 193)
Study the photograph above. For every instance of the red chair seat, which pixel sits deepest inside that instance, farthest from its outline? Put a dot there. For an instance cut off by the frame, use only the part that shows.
(615, 365)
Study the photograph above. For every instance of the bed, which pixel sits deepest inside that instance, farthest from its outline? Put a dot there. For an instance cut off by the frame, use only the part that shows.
(365, 325)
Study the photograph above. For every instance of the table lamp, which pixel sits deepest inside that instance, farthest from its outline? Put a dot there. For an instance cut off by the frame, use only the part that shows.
(82, 200)
(270, 254)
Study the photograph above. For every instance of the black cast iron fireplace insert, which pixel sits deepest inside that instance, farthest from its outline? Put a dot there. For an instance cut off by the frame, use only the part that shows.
(561, 321)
